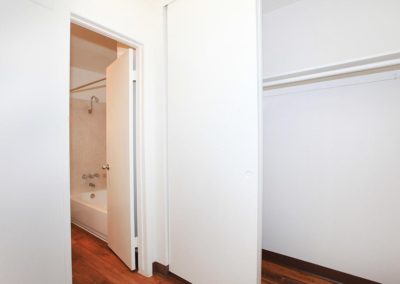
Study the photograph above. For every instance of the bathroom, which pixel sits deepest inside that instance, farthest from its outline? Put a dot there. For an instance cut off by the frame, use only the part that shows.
(88, 129)
(102, 123)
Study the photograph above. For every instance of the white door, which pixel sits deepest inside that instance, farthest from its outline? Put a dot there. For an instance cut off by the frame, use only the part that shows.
(213, 141)
(120, 158)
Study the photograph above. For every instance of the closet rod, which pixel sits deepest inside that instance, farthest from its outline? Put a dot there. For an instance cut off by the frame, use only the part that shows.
(86, 85)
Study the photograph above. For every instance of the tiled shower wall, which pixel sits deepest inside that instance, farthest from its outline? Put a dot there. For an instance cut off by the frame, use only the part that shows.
(87, 144)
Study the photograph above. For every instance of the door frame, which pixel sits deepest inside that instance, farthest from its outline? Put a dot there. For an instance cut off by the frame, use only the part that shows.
(143, 256)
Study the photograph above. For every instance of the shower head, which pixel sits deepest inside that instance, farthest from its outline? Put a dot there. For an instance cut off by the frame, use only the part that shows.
(93, 98)
(96, 99)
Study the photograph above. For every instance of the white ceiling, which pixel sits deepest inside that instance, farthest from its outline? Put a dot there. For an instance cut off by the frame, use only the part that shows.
(91, 51)
(271, 5)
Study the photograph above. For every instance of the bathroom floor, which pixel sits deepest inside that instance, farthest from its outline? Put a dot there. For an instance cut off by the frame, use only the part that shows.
(94, 263)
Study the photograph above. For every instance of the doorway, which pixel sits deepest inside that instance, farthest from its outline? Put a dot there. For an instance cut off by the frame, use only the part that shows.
(103, 157)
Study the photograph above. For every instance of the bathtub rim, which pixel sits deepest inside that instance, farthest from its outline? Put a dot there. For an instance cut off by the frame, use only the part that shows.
(75, 198)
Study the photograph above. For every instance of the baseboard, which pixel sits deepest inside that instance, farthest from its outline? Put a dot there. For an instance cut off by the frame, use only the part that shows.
(314, 268)
(160, 268)
(89, 230)
(164, 270)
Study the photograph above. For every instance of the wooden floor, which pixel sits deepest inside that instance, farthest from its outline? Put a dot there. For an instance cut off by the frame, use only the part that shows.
(273, 274)
(94, 263)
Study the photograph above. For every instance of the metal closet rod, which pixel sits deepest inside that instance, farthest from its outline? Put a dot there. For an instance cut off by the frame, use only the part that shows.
(86, 85)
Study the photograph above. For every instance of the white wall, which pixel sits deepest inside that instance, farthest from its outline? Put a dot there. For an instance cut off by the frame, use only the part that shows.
(331, 181)
(213, 141)
(34, 74)
(34, 207)
(311, 33)
(271, 5)
(329, 154)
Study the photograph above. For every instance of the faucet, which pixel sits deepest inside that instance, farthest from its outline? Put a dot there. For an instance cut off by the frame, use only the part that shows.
(92, 185)
(90, 176)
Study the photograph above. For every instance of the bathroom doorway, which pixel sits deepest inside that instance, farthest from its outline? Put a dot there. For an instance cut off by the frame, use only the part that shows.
(103, 159)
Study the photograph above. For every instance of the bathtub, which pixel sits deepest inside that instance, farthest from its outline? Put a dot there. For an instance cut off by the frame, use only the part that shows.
(89, 211)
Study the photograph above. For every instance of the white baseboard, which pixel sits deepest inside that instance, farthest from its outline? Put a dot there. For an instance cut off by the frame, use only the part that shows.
(90, 230)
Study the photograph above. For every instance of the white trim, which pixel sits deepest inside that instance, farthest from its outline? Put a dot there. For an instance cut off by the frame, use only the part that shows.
(145, 267)
(363, 64)
(166, 2)
(337, 83)
(90, 25)
(132, 154)
(89, 230)
(167, 219)
(135, 242)
(260, 138)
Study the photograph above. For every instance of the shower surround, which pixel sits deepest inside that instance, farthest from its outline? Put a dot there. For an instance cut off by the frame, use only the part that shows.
(87, 145)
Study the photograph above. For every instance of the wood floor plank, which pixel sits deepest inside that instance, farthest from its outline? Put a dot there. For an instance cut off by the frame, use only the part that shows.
(94, 263)
(282, 274)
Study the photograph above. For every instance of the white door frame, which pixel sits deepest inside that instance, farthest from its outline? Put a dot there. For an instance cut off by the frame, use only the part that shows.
(141, 213)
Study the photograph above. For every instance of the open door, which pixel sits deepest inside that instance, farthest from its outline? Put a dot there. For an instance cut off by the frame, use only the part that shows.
(120, 158)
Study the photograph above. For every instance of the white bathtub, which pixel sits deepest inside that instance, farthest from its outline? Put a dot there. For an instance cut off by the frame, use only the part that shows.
(89, 211)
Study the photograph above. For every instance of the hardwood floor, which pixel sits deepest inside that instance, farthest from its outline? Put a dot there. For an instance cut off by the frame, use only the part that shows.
(94, 263)
(277, 274)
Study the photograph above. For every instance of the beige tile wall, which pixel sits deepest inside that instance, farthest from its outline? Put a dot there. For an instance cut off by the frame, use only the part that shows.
(87, 144)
